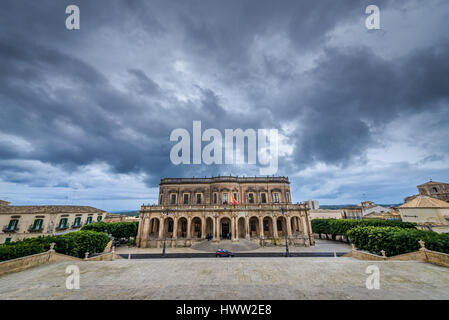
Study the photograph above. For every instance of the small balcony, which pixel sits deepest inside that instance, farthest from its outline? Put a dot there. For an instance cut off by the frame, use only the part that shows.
(31, 228)
(7, 229)
(77, 225)
(62, 227)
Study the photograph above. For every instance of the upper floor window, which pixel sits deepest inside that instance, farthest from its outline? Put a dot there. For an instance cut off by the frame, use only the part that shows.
(434, 189)
(37, 225)
(160, 200)
(215, 198)
(287, 195)
(198, 198)
(89, 220)
(77, 222)
(276, 197)
(225, 198)
(99, 218)
(13, 224)
(235, 196)
(62, 223)
(251, 197)
(263, 197)
(186, 198)
(173, 199)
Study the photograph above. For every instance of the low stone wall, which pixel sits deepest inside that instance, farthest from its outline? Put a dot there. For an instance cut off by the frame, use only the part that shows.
(104, 257)
(416, 256)
(23, 263)
(441, 259)
(362, 255)
(423, 255)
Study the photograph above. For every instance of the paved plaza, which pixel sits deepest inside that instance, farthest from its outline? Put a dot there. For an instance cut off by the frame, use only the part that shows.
(320, 246)
(230, 278)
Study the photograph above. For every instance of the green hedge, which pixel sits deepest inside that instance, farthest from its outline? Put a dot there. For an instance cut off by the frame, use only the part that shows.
(396, 240)
(74, 244)
(340, 227)
(123, 229)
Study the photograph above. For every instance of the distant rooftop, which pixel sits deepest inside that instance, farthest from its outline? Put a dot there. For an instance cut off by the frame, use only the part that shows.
(4, 203)
(225, 179)
(425, 202)
(431, 183)
(48, 209)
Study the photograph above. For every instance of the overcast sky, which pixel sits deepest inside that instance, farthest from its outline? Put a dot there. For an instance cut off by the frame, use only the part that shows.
(86, 115)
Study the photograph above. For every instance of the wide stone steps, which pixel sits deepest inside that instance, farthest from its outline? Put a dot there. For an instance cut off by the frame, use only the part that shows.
(209, 246)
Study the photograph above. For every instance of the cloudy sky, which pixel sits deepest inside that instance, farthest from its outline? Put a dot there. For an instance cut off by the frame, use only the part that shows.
(86, 115)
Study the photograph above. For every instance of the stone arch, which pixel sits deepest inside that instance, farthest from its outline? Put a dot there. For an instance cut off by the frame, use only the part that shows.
(154, 228)
(224, 227)
(241, 227)
(268, 227)
(182, 227)
(210, 226)
(254, 226)
(169, 224)
(281, 225)
(195, 228)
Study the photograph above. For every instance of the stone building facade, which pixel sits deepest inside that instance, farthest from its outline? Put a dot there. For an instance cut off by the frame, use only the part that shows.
(20, 222)
(191, 209)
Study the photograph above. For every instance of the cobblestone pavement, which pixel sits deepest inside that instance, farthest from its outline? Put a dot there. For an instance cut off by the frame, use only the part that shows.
(320, 246)
(230, 278)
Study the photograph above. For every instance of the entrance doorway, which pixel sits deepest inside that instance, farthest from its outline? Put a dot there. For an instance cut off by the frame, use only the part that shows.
(225, 227)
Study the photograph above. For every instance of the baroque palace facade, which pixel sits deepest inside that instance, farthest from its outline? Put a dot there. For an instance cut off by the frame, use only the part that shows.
(190, 210)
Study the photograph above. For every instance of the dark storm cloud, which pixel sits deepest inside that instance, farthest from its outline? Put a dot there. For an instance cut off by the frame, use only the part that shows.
(71, 112)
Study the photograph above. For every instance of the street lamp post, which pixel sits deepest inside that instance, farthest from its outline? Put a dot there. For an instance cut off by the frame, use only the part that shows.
(284, 213)
(165, 213)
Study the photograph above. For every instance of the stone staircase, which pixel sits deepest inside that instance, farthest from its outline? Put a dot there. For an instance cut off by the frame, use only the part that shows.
(209, 246)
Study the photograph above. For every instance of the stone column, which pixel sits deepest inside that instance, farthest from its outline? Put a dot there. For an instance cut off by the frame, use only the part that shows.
(237, 228)
(189, 226)
(309, 227)
(233, 228)
(161, 231)
(305, 231)
(275, 227)
(175, 228)
(161, 228)
(203, 228)
(247, 228)
(140, 231)
(289, 226)
(189, 232)
(260, 227)
(144, 233)
(214, 229)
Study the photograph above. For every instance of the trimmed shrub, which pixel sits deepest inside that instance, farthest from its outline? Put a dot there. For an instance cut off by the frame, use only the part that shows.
(396, 240)
(321, 226)
(340, 227)
(118, 230)
(75, 244)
